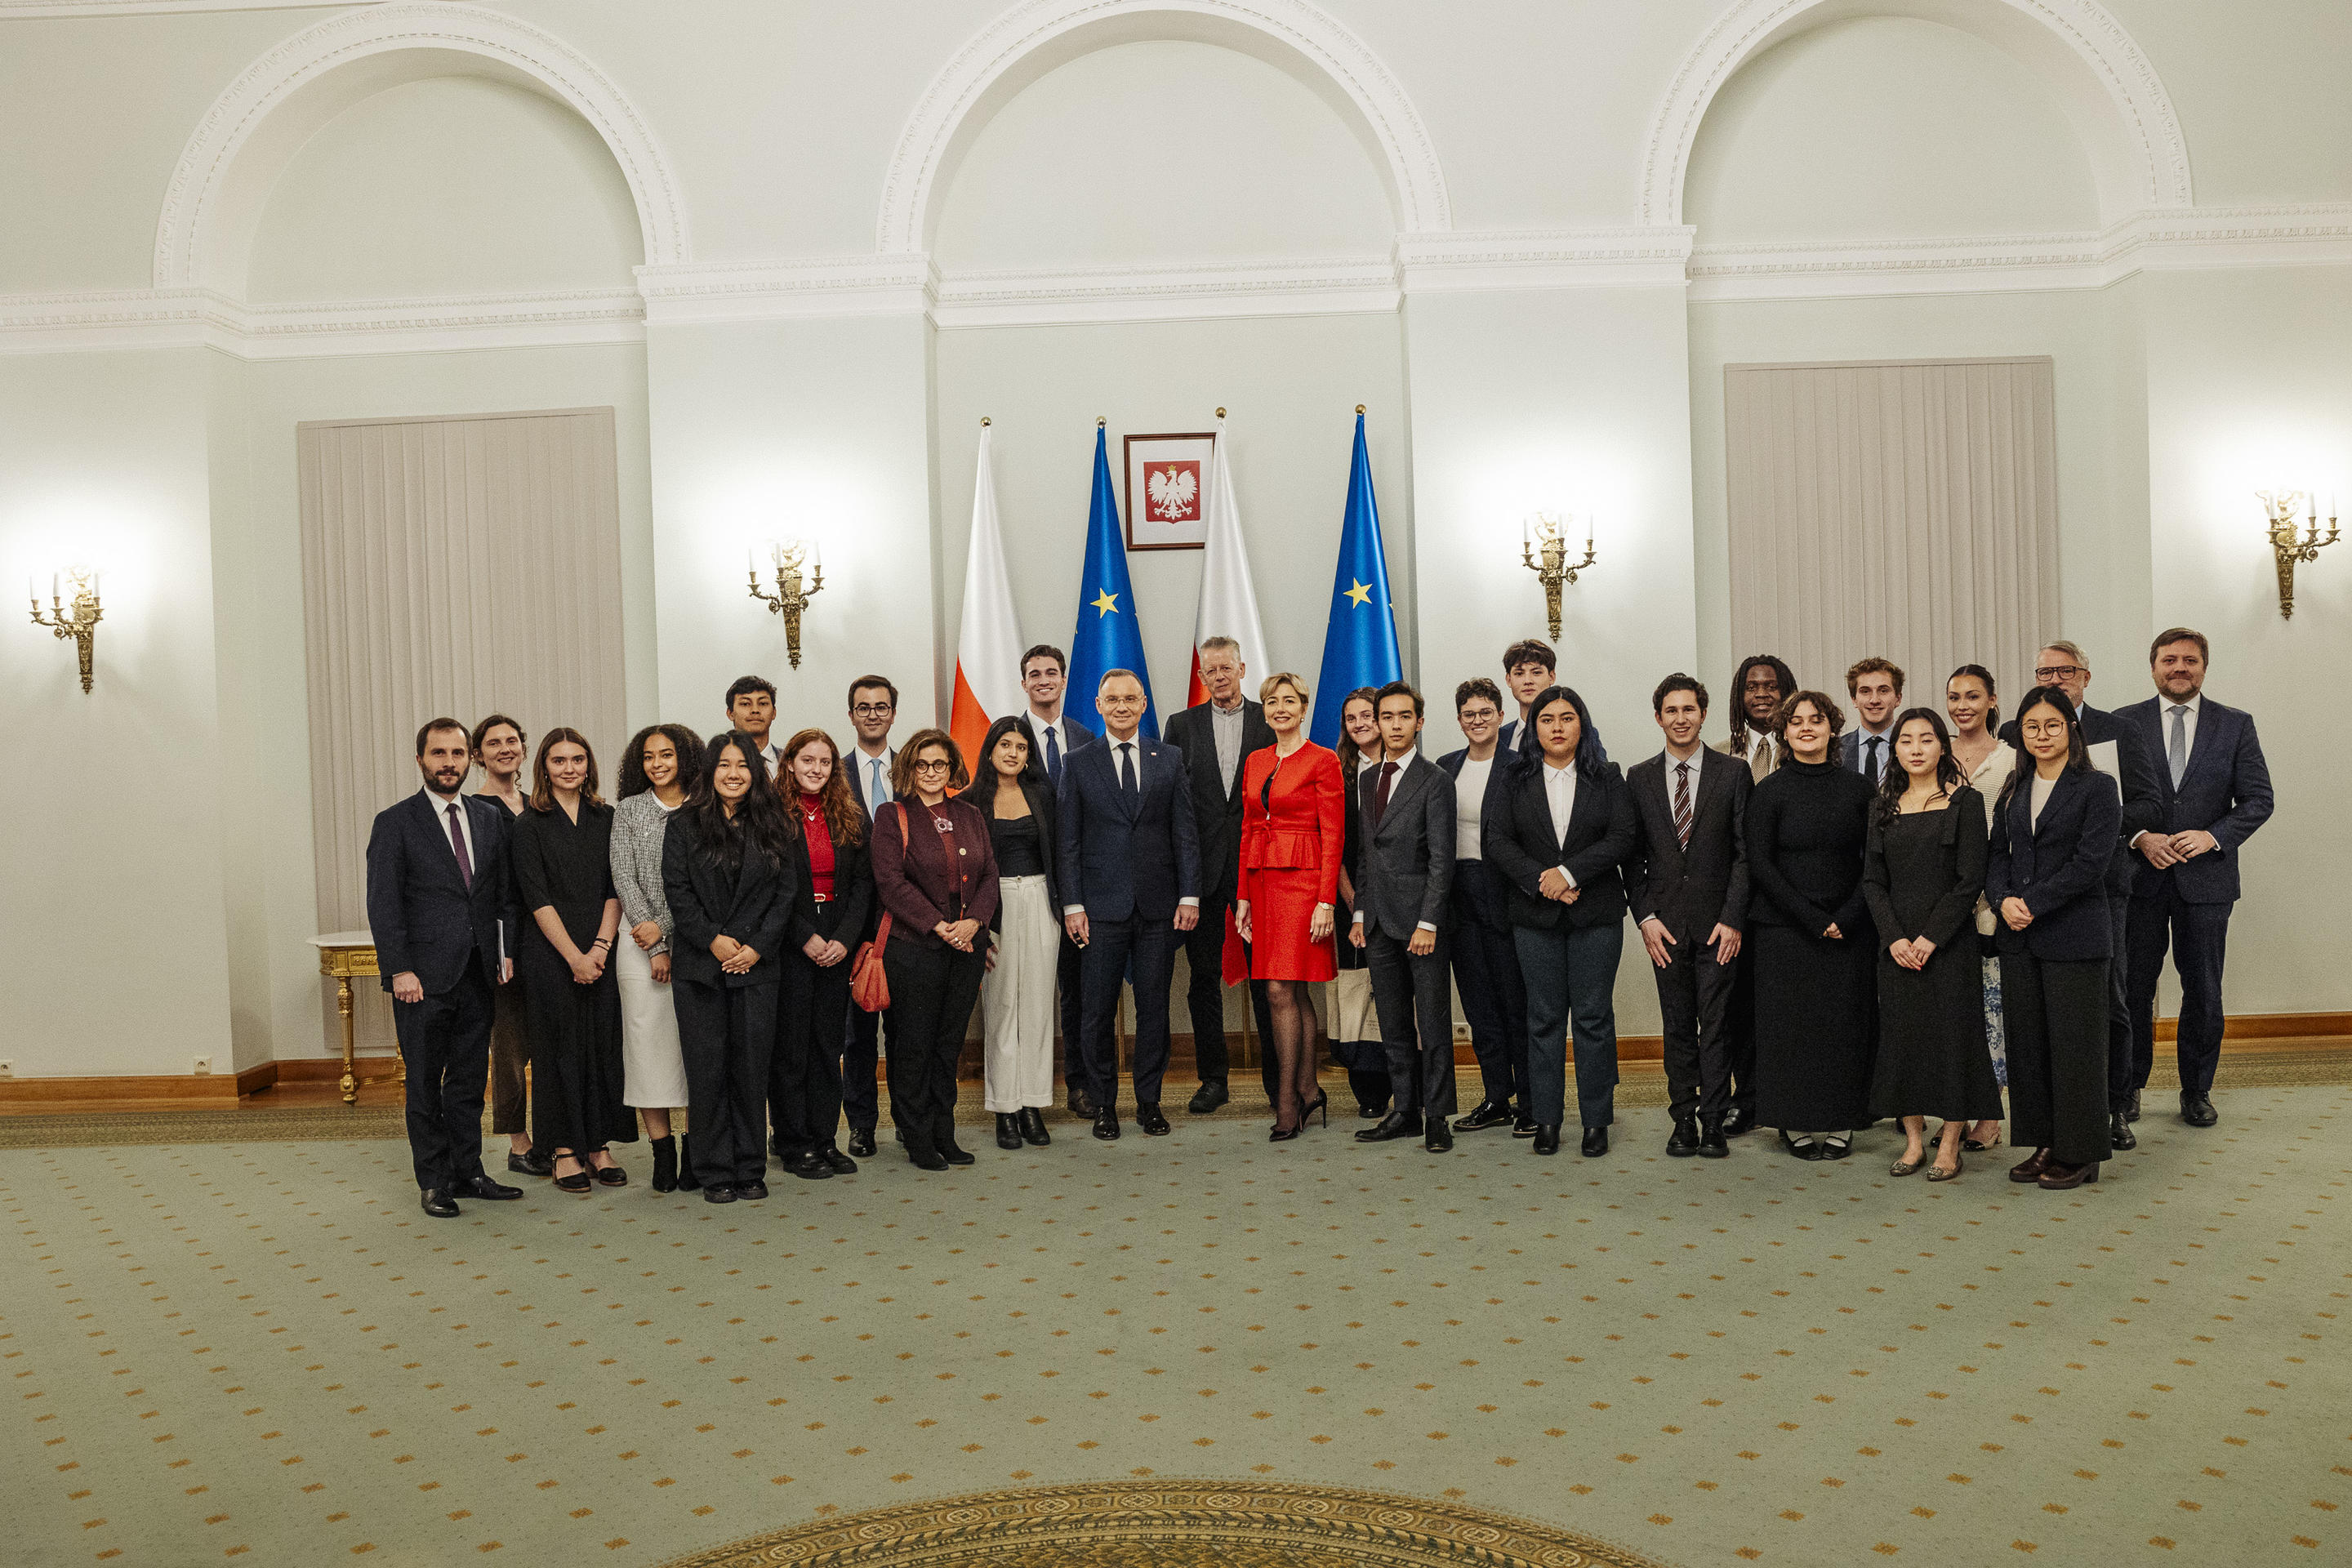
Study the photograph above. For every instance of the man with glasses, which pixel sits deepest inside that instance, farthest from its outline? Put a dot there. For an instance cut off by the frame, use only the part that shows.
(873, 708)
(2119, 751)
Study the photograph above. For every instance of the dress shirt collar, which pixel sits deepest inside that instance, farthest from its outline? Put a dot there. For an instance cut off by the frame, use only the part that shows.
(440, 804)
(2168, 703)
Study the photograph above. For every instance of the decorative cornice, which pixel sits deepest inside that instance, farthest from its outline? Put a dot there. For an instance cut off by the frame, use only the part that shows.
(187, 318)
(28, 10)
(1387, 117)
(1466, 260)
(787, 289)
(1312, 287)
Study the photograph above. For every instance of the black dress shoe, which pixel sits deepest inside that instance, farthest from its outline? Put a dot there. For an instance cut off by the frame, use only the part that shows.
(1208, 1097)
(1106, 1123)
(751, 1191)
(1711, 1145)
(810, 1167)
(1487, 1113)
(1008, 1132)
(610, 1176)
(2119, 1132)
(842, 1166)
(2131, 1111)
(1438, 1137)
(1546, 1140)
(1596, 1142)
(1522, 1125)
(1740, 1120)
(1148, 1117)
(923, 1157)
(861, 1143)
(2029, 1169)
(1082, 1105)
(487, 1190)
(718, 1193)
(1032, 1128)
(2196, 1111)
(437, 1202)
(1395, 1125)
(1365, 1112)
(953, 1152)
(530, 1163)
(1684, 1141)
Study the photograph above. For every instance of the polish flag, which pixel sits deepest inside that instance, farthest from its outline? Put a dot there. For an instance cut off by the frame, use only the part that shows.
(1228, 601)
(988, 648)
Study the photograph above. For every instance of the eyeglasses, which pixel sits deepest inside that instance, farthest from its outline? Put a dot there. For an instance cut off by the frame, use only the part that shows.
(931, 764)
(2050, 673)
(872, 709)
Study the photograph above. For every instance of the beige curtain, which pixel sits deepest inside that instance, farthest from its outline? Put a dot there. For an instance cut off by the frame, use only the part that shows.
(450, 566)
(1905, 509)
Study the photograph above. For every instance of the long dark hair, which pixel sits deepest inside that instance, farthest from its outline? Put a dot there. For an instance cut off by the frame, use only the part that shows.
(1780, 672)
(2077, 755)
(845, 822)
(1992, 707)
(1894, 780)
(685, 742)
(1586, 766)
(542, 789)
(1352, 756)
(982, 792)
(759, 819)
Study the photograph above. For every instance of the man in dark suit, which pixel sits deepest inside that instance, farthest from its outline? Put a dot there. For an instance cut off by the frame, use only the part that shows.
(1687, 882)
(442, 913)
(2065, 665)
(2214, 790)
(1875, 686)
(1478, 937)
(1131, 870)
(1404, 874)
(1530, 667)
(1214, 736)
(1044, 676)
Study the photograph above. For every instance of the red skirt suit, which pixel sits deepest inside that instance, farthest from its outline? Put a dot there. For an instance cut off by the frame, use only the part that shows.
(1294, 824)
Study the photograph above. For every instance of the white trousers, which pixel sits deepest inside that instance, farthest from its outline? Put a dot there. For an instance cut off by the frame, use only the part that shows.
(1017, 998)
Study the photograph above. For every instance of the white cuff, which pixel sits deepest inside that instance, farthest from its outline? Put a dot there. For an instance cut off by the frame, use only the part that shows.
(1570, 875)
(1073, 908)
(1188, 903)
(1360, 918)
(1424, 925)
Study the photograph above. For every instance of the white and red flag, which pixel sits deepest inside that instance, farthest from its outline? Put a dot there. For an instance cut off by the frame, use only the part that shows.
(1228, 600)
(988, 645)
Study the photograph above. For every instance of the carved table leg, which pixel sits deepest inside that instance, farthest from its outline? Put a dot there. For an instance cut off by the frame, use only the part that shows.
(343, 1004)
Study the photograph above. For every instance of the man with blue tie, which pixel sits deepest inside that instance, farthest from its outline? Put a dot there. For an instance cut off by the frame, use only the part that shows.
(2216, 790)
(1876, 687)
(873, 708)
(1044, 673)
(1130, 883)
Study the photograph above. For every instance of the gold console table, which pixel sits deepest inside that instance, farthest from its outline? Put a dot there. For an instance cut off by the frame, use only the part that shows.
(344, 955)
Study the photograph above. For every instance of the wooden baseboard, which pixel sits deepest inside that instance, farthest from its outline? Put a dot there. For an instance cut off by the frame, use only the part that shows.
(2273, 1028)
(330, 1069)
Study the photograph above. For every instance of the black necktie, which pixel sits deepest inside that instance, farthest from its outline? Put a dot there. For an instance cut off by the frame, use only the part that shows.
(1127, 771)
(1054, 755)
(1870, 767)
(1380, 794)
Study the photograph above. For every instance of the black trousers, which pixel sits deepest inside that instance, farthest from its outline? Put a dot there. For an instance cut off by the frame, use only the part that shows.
(804, 1078)
(1204, 993)
(1069, 979)
(1740, 1031)
(444, 1042)
(1414, 996)
(1112, 946)
(859, 1042)
(510, 1058)
(2055, 1013)
(1695, 1003)
(2121, 1082)
(2198, 937)
(1493, 997)
(932, 991)
(726, 1034)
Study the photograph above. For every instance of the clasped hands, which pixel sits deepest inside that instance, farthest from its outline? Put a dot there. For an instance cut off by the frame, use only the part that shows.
(734, 957)
(1911, 952)
(957, 935)
(1656, 939)
(1554, 884)
(2161, 850)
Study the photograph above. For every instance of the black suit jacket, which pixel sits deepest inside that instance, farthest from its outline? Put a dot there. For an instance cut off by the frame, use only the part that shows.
(1690, 890)
(1404, 866)
(851, 912)
(2225, 791)
(425, 919)
(1123, 860)
(2143, 804)
(1216, 810)
(2059, 867)
(753, 904)
(1480, 892)
(1520, 845)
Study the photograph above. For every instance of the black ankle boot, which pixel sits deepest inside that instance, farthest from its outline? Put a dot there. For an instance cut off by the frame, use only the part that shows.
(1032, 1128)
(664, 1165)
(686, 1181)
(1008, 1131)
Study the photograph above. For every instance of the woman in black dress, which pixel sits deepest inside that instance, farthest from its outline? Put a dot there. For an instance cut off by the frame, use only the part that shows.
(563, 868)
(832, 898)
(1924, 868)
(1807, 825)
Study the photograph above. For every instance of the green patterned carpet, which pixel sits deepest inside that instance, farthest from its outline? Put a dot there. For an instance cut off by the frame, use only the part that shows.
(261, 1352)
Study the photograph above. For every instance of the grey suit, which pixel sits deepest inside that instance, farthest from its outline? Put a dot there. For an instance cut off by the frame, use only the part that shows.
(1405, 876)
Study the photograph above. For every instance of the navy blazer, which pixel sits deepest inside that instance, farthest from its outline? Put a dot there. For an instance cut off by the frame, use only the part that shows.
(752, 904)
(425, 918)
(1520, 843)
(2226, 791)
(2059, 868)
(1480, 893)
(1120, 859)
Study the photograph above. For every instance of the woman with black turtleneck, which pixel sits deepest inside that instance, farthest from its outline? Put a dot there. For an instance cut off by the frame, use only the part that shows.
(1815, 983)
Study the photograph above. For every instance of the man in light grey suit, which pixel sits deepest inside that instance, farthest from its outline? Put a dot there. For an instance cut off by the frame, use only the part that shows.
(1404, 876)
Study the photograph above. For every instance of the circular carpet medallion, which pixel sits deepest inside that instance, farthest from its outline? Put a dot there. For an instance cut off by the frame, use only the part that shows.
(1171, 1524)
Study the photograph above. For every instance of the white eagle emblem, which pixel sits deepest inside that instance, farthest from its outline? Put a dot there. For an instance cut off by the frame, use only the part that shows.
(1172, 490)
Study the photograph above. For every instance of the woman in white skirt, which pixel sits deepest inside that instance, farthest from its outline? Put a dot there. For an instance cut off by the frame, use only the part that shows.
(1017, 998)
(657, 773)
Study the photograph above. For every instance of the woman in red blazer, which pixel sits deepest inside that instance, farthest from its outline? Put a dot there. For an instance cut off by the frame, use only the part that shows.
(1294, 827)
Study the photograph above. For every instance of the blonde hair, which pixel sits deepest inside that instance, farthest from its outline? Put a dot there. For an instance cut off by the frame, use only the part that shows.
(1283, 678)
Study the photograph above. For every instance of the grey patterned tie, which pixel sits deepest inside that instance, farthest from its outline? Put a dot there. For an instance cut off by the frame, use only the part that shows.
(2175, 750)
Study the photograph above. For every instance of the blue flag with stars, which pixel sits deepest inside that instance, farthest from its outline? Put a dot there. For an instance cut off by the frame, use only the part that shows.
(1359, 646)
(1109, 636)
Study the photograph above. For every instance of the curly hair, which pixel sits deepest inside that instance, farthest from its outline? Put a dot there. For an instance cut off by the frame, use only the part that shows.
(685, 742)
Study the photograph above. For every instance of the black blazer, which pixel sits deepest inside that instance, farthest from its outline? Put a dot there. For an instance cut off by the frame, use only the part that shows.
(753, 904)
(2059, 868)
(850, 915)
(1404, 867)
(1690, 891)
(1216, 810)
(1480, 894)
(425, 918)
(2226, 791)
(2143, 804)
(1520, 845)
(1120, 860)
(1040, 797)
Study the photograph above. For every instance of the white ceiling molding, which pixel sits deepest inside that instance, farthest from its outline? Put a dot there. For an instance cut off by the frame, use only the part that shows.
(1201, 291)
(2099, 75)
(787, 290)
(1465, 260)
(28, 10)
(216, 194)
(191, 318)
(1035, 36)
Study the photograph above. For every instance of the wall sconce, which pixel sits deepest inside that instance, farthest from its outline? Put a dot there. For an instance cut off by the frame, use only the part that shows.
(2289, 548)
(791, 596)
(79, 623)
(1544, 534)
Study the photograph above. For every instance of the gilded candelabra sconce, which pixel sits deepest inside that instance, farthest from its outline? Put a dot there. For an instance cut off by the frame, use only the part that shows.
(77, 620)
(1543, 550)
(793, 591)
(2289, 546)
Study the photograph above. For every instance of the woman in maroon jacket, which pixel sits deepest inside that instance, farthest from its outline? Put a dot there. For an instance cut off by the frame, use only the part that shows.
(937, 875)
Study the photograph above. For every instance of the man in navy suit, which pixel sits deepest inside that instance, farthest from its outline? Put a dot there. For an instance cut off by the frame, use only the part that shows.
(2215, 790)
(1486, 958)
(1133, 866)
(441, 912)
(1875, 685)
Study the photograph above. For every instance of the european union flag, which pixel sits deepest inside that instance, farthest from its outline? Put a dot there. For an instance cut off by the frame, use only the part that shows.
(1359, 646)
(1109, 635)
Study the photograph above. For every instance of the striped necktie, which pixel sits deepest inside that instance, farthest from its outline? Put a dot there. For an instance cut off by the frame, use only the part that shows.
(1683, 804)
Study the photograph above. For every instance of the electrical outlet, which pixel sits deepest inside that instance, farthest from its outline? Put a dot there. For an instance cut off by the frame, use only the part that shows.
(1461, 1034)
(204, 1065)
(7, 1069)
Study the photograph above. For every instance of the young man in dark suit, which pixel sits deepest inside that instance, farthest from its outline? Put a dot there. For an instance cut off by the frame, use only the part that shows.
(1687, 882)
(1875, 685)
(1404, 873)
(1529, 666)
(2214, 790)
(1131, 887)
(1478, 939)
(441, 908)
(1214, 736)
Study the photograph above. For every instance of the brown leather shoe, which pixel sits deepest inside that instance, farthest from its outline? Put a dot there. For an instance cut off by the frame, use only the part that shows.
(2030, 1170)
(2058, 1178)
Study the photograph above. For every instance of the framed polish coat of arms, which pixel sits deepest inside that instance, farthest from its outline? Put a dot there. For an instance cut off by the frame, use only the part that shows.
(1168, 490)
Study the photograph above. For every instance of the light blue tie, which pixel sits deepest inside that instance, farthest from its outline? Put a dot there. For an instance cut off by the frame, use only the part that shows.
(878, 795)
(2175, 750)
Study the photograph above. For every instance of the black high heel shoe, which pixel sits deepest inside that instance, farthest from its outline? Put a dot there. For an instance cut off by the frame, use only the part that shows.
(1281, 1134)
(1319, 1105)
